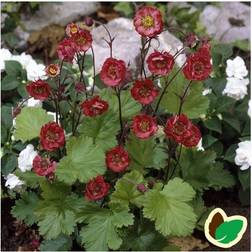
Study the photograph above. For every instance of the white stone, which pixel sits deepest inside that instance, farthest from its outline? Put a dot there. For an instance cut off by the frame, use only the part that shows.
(60, 13)
(217, 21)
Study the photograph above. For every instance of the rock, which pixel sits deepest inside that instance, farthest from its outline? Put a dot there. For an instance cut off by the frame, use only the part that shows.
(127, 43)
(228, 23)
(58, 14)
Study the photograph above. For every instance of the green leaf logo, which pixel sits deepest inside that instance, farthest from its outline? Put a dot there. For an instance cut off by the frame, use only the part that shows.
(223, 231)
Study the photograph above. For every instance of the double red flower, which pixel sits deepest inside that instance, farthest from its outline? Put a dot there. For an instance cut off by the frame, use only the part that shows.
(82, 40)
(117, 159)
(144, 91)
(39, 90)
(198, 65)
(160, 63)
(43, 166)
(66, 50)
(148, 21)
(144, 126)
(52, 136)
(113, 72)
(96, 189)
(180, 129)
(93, 107)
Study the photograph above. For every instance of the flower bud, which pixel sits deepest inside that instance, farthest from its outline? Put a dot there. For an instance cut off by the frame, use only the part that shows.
(88, 21)
(142, 188)
(190, 40)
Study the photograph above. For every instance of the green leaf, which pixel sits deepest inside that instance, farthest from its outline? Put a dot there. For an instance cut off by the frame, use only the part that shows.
(29, 123)
(31, 179)
(101, 233)
(169, 208)
(8, 163)
(24, 208)
(145, 153)
(213, 124)
(9, 82)
(84, 161)
(220, 177)
(102, 129)
(228, 231)
(6, 116)
(201, 171)
(195, 103)
(208, 140)
(13, 68)
(125, 8)
(230, 153)
(143, 237)
(126, 189)
(61, 243)
(129, 106)
(233, 122)
(244, 177)
(57, 210)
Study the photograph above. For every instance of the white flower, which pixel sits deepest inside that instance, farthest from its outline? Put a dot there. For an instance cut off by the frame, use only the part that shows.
(199, 146)
(4, 56)
(207, 91)
(24, 59)
(26, 157)
(243, 156)
(35, 71)
(33, 103)
(13, 181)
(249, 108)
(236, 88)
(236, 68)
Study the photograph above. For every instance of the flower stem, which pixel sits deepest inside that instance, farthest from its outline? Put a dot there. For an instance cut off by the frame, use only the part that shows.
(118, 94)
(166, 86)
(182, 98)
(93, 58)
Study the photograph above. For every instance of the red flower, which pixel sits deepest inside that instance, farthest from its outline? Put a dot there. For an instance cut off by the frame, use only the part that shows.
(198, 65)
(66, 50)
(144, 126)
(52, 70)
(117, 159)
(160, 63)
(148, 21)
(71, 29)
(94, 106)
(39, 90)
(79, 87)
(43, 166)
(96, 189)
(180, 129)
(52, 136)
(82, 40)
(144, 91)
(113, 72)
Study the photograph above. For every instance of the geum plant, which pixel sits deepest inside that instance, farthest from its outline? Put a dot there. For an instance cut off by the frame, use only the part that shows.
(118, 168)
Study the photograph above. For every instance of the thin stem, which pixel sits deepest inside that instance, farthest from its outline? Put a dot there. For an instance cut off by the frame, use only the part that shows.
(118, 94)
(93, 87)
(177, 162)
(166, 86)
(143, 54)
(77, 123)
(182, 98)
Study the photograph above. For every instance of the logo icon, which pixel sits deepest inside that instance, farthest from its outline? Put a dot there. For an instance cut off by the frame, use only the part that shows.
(224, 231)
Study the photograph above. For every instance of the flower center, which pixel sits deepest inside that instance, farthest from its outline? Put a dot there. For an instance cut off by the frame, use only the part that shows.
(112, 72)
(73, 29)
(44, 164)
(198, 67)
(40, 90)
(51, 136)
(145, 92)
(145, 126)
(117, 159)
(147, 21)
(80, 40)
(160, 63)
(53, 70)
(179, 128)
